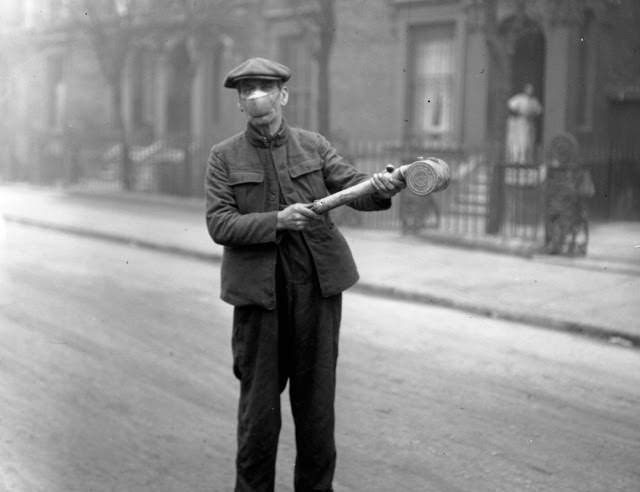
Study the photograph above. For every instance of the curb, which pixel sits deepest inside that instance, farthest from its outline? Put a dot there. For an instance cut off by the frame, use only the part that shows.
(593, 264)
(114, 238)
(547, 322)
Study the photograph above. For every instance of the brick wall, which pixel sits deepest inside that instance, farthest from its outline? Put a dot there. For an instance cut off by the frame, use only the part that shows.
(366, 100)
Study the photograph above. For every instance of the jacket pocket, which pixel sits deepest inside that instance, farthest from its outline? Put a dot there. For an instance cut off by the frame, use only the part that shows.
(308, 178)
(244, 177)
(248, 189)
(305, 167)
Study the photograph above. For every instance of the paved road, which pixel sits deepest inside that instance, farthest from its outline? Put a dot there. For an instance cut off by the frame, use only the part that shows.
(597, 297)
(115, 376)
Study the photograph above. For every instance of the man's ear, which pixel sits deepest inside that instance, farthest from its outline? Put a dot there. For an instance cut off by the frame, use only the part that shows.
(284, 96)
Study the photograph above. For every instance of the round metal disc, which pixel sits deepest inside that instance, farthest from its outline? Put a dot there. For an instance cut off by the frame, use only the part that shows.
(426, 176)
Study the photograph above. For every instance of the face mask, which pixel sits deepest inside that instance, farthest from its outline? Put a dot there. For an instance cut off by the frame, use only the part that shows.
(259, 103)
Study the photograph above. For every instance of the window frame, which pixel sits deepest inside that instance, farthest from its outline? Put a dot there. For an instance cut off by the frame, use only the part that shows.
(424, 15)
(417, 37)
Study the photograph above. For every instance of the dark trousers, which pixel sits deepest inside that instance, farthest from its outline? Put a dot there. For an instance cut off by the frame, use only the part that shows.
(296, 342)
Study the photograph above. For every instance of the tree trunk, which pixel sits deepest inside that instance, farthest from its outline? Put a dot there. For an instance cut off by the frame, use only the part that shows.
(499, 88)
(327, 24)
(126, 168)
(497, 129)
(324, 95)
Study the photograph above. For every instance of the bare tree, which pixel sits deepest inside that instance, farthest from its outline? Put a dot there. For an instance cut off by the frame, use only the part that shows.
(110, 26)
(115, 26)
(325, 18)
(203, 26)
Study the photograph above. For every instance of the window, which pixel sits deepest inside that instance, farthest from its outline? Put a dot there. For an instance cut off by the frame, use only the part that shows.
(294, 53)
(432, 81)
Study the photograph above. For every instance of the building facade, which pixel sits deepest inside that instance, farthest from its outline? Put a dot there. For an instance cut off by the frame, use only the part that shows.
(435, 73)
(423, 68)
(58, 97)
(438, 73)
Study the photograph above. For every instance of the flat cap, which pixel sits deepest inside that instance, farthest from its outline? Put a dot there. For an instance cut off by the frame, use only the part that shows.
(257, 68)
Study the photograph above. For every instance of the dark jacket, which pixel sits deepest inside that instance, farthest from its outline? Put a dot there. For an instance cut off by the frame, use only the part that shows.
(241, 213)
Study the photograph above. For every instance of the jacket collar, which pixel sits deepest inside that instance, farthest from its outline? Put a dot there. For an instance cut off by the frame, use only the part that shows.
(257, 139)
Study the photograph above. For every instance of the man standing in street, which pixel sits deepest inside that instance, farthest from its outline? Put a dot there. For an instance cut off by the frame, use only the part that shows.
(283, 269)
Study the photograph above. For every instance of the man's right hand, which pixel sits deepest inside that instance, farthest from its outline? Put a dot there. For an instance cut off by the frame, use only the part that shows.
(296, 217)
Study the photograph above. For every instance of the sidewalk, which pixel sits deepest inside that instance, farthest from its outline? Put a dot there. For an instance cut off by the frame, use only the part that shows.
(597, 296)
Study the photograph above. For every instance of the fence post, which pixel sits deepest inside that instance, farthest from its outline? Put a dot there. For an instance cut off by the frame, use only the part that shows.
(610, 185)
(495, 214)
(187, 186)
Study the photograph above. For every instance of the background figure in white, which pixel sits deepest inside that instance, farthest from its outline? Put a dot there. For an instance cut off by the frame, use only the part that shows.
(524, 109)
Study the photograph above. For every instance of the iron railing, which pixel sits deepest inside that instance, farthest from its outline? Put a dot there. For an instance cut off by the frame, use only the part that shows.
(483, 199)
(463, 208)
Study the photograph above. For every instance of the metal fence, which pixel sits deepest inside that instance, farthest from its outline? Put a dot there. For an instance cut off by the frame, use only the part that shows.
(173, 165)
(615, 170)
(483, 199)
(504, 201)
(463, 209)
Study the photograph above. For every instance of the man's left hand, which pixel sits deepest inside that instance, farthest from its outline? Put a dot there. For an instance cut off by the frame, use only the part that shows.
(385, 184)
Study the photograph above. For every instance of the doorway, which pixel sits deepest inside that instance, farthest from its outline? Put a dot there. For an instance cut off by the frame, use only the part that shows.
(528, 53)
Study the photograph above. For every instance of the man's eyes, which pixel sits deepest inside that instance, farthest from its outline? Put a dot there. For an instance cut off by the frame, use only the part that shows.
(267, 86)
